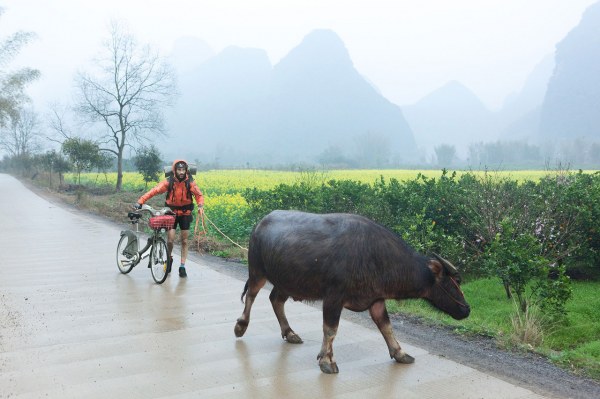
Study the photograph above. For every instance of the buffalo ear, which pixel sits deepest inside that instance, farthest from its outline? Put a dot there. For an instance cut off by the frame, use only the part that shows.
(436, 268)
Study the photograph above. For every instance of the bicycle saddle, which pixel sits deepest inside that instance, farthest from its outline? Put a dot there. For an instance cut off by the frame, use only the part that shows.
(133, 216)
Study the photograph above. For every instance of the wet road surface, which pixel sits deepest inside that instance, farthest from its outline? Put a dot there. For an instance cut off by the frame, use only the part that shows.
(72, 326)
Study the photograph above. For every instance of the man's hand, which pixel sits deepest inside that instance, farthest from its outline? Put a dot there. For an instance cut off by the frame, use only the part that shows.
(137, 206)
(201, 210)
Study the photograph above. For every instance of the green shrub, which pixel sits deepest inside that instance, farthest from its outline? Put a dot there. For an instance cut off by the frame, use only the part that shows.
(514, 258)
(460, 217)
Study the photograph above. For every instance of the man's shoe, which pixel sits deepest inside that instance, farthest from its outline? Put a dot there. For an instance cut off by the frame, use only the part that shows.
(182, 272)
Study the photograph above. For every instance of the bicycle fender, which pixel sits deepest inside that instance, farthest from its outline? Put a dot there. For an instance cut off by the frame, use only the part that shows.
(132, 242)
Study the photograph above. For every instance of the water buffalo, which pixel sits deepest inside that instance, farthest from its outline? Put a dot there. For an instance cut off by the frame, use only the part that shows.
(347, 261)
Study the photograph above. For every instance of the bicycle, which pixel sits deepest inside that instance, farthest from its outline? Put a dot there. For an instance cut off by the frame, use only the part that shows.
(128, 252)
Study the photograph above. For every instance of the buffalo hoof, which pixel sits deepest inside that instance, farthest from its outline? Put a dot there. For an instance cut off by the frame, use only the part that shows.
(404, 358)
(329, 368)
(293, 338)
(240, 328)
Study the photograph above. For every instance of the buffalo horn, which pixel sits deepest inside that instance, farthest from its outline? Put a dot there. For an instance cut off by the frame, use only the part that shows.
(449, 266)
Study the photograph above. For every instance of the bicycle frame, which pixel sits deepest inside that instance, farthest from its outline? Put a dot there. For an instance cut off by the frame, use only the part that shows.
(144, 253)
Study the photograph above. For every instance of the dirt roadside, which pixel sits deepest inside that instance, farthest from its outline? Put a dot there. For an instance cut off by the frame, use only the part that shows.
(527, 370)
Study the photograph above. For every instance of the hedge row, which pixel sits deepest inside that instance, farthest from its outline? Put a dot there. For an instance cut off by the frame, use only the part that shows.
(461, 216)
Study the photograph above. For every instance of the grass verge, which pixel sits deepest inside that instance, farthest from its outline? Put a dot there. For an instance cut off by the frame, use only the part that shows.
(574, 345)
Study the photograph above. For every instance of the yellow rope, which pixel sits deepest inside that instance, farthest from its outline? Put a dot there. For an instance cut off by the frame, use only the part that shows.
(219, 230)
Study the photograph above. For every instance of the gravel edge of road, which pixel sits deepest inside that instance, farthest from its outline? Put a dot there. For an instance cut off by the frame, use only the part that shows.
(527, 370)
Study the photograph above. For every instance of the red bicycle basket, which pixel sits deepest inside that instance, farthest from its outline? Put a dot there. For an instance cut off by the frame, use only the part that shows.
(162, 222)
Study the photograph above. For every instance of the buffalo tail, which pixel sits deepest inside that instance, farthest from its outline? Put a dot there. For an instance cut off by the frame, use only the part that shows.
(244, 293)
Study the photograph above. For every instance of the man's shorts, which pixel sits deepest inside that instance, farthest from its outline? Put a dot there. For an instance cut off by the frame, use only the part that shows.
(183, 221)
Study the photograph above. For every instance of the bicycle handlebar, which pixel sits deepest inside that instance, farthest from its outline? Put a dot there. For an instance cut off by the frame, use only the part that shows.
(157, 212)
(135, 215)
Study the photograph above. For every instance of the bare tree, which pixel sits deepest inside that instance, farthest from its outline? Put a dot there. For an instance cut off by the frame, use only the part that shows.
(13, 83)
(22, 136)
(126, 95)
(57, 122)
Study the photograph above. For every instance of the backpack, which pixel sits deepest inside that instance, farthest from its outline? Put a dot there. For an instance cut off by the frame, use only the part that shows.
(188, 183)
(169, 169)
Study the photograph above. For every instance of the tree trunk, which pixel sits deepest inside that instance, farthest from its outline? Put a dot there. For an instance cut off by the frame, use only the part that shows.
(507, 289)
(119, 171)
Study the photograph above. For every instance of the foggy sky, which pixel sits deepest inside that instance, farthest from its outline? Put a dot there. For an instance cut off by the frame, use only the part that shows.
(406, 49)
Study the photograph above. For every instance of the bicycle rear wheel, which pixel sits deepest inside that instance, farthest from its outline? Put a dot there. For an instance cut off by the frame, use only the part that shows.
(126, 253)
(159, 257)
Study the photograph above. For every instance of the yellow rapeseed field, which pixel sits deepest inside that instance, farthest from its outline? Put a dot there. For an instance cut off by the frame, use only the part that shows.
(216, 182)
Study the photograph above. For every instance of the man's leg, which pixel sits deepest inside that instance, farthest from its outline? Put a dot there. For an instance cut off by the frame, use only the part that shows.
(184, 252)
(170, 243)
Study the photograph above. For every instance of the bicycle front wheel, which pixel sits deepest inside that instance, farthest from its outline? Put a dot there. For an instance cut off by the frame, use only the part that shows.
(159, 257)
(126, 253)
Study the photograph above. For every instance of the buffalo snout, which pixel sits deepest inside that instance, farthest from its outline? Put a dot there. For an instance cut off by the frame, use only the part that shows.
(463, 312)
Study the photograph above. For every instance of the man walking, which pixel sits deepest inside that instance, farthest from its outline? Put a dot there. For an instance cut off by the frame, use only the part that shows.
(181, 189)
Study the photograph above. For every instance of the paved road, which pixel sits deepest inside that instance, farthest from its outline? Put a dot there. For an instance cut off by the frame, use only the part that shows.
(72, 326)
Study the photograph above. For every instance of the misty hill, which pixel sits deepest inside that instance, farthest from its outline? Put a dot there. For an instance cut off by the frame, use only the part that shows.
(240, 109)
(452, 115)
(571, 107)
(520, 115)
(323, 101)
(524, 128)
(221, 107)
(188, 53)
